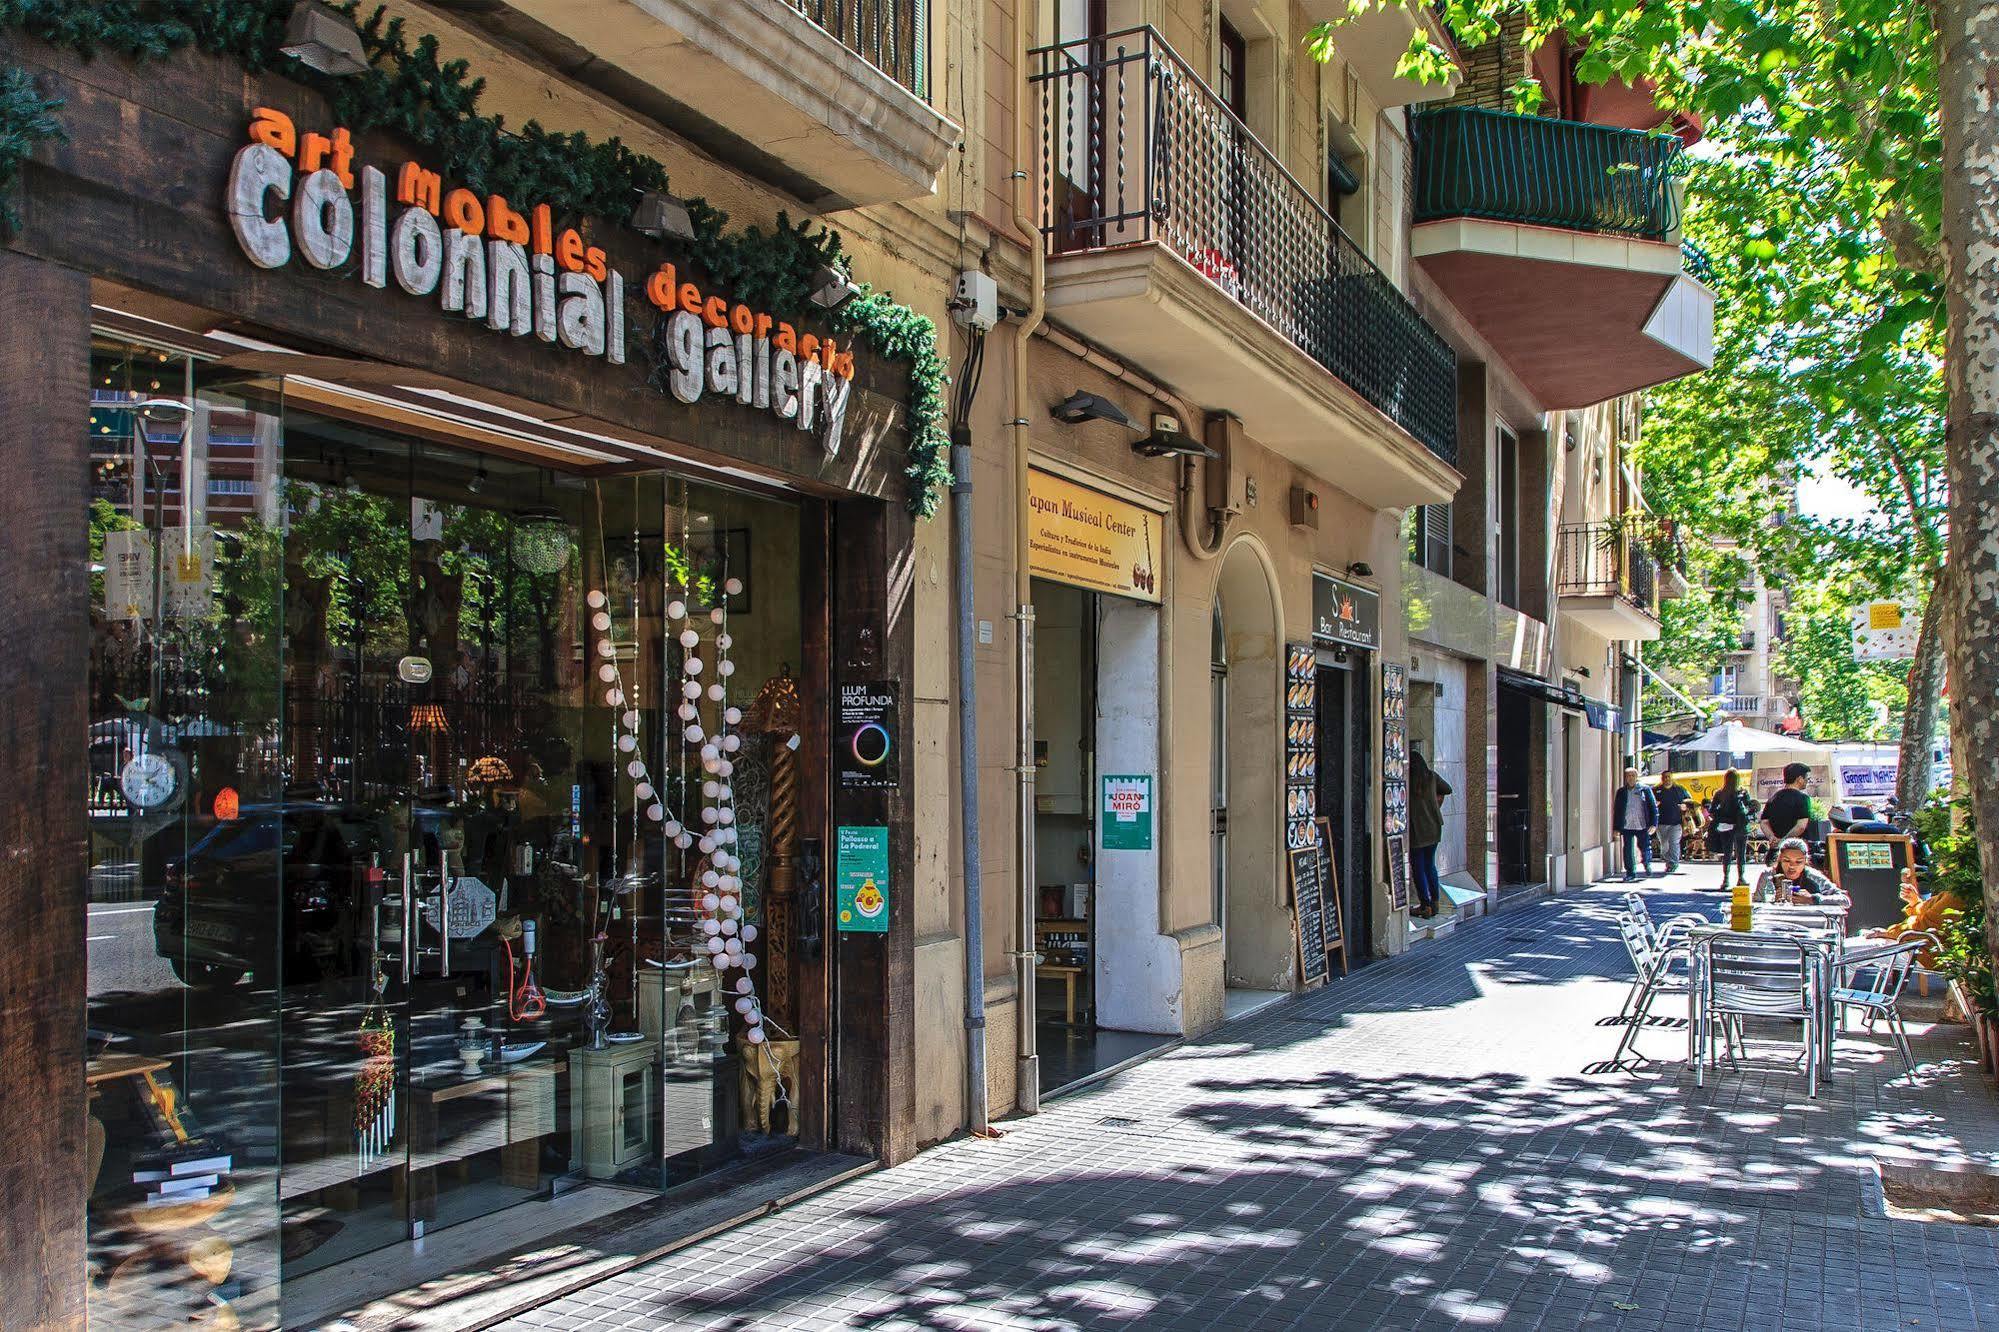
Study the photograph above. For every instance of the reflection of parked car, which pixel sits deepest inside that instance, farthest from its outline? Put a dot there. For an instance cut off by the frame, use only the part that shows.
(217, 916)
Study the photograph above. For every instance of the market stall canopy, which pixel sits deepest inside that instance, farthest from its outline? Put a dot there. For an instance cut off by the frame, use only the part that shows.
(1735, 738)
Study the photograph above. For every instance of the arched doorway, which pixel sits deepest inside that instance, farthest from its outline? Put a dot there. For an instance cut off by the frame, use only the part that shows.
(1247, 651)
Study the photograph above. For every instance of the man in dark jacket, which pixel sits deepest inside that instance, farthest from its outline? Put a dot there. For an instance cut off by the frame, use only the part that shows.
(1634, 812)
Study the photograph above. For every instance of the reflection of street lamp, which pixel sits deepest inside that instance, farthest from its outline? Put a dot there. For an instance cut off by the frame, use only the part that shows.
(161, 411)
(429, 721)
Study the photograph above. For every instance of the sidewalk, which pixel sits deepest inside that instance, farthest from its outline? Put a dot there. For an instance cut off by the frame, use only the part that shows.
(1414, 1147)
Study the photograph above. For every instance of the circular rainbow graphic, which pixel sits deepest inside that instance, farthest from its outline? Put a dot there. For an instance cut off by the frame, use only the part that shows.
(871, 745)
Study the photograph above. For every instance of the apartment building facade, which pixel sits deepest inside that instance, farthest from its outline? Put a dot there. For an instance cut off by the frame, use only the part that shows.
(1547, 248)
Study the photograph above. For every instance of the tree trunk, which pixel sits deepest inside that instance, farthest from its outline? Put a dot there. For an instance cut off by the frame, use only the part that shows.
(1968, 79)
(1919, 722)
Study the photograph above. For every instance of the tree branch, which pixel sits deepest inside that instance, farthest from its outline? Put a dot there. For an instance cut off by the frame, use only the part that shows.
(1912, 249)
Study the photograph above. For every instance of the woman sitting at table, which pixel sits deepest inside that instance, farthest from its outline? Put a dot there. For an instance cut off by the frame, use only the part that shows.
(1793, 882)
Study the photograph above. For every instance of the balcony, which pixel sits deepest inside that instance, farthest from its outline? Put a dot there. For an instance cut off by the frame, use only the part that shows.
(1740, 705)
(1608, 582)
(1178, 242)
(1550, 235)
(825, 99)
(1372, 44)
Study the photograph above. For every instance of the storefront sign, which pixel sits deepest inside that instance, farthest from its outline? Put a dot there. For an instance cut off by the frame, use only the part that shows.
(865, 750)
(861, 893)
(506, 264)
(1086, 538)
(1126, 815)
(1301, 744)
(1345, 613)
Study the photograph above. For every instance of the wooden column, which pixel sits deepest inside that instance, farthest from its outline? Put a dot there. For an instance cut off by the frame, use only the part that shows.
(875, 974)
(44, 727)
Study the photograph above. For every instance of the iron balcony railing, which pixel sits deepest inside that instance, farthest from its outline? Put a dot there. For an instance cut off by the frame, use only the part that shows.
(1471, 162)
(1607, 560)
(891, 35)
(1136, 149)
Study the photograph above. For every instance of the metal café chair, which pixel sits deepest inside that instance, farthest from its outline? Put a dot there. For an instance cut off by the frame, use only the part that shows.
(1756, 975)
(1666, 933)
(1872, 980)
(1653, 976)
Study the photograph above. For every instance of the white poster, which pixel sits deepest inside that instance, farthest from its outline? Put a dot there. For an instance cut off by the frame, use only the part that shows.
(188, 580)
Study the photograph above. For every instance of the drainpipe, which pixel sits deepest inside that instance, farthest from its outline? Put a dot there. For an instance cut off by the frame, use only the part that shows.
(1027, 1062)
(968, 786)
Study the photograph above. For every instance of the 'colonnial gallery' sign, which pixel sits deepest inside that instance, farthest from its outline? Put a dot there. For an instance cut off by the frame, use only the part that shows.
(510, 267)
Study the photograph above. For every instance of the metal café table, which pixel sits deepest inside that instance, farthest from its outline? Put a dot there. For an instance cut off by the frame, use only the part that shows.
(1822, 928)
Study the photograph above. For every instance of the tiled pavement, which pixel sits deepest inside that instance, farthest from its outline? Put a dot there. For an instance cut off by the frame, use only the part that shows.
(1415, 1147)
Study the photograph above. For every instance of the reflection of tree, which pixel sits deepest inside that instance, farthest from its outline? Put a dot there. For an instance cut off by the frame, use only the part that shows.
(362, 541)
(504, 602)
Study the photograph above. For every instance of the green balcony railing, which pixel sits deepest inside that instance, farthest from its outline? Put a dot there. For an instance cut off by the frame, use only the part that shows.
(1472, 162)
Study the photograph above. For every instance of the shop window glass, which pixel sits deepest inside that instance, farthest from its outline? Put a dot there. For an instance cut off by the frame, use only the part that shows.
(385, 934)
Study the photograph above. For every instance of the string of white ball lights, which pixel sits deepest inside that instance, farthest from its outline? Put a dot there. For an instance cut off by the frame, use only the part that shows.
(726, 933)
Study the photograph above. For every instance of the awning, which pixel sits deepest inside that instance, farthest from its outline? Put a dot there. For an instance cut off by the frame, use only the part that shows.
(1562, 696)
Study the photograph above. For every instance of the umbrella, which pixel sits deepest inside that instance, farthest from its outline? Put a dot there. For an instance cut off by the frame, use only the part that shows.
(1735, 738)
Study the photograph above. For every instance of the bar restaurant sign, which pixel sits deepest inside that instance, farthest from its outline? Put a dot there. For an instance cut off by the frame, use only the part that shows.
(504, 263)
(1086, 538)
(1345, 614)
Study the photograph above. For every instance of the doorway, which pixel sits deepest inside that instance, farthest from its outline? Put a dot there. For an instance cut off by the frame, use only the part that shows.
(1345, 752)
(1514, 733)
(1088, 922)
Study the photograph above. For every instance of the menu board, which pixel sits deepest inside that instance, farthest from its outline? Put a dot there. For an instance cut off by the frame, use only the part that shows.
(1394, 751)
(1301, 745)
(1329, 882)
(1308, 894)
(1868, 868)
(1398, 873)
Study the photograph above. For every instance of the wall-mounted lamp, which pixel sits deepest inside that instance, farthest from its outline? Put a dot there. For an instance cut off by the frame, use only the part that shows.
(1361, 569)
(661, 215)
(1168, 441)
(831, 288)
(320, 37)
(1080, 407)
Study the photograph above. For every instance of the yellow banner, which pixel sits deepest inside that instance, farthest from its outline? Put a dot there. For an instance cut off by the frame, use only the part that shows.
(1085, 537)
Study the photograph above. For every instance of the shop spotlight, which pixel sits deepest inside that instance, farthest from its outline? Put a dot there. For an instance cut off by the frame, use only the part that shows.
(1167, 441)
(322, 39)
(661, 216)
(1080, 407)
(831, 288)
(1361, 569)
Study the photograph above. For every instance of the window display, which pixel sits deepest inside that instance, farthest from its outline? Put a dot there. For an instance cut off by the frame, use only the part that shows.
(437, 797)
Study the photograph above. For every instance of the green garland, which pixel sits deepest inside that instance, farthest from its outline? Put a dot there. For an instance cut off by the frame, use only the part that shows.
(26, 122)
(411, 93)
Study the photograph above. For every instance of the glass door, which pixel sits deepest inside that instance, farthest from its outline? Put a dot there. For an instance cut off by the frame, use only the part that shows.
(355, 750)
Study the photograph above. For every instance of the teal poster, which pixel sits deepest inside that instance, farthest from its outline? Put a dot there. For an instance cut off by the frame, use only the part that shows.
(861, 886)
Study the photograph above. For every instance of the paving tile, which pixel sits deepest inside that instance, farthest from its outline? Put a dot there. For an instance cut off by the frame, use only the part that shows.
(1416, 1146)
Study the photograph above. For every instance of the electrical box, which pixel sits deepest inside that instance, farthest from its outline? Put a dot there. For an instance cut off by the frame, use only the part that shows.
(1224, 485)
(1304, 508)
(975, 302)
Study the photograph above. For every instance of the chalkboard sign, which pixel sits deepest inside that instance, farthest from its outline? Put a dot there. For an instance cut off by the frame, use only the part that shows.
(1334, 916)
(1398, 874)
(1308, 895)
(1868, 868)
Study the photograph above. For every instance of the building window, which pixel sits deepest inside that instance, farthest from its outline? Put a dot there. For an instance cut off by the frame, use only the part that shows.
(1509, 518)
(1232, 77)
(1430, 543)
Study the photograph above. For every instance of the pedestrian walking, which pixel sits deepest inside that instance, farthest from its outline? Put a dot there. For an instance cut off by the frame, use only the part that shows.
(1426, 828)
(1728, 833)
(1675, 809)
(1788, 813)
(1636, 813)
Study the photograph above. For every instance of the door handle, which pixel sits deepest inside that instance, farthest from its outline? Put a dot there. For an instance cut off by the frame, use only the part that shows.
(409, 914)
(443, 925)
